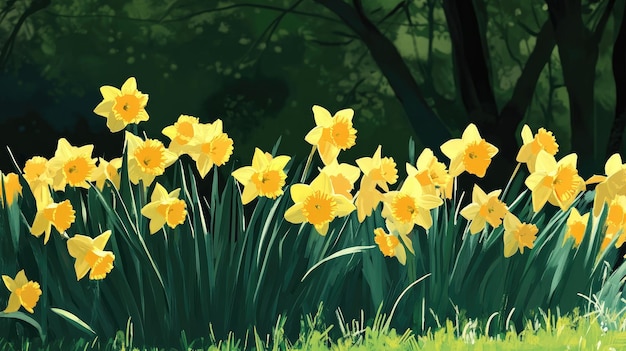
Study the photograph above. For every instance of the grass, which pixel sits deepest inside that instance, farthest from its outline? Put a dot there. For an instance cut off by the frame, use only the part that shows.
(598, 330)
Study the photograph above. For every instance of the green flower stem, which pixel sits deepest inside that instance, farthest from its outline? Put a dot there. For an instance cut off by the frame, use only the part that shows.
(308, 163)
(508, 185)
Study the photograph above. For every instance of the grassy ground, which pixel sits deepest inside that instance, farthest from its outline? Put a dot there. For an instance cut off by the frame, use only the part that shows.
(544, 333)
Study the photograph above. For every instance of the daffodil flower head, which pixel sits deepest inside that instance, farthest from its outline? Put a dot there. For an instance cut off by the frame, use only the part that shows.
(382, 170)
(557, 182)
(317, 204)
(471, 153)
(576, 226)
(343, 176)
(485, 208)
(60, 215)
(389, 245)
(543, 140)
(12, 188)
(90, 255)
(266, 177)
(146, 159)
(39, 180)
(409, 206)
(71, 165)
(331, 133)
(122, 107)
(164, 208)
(181, 133)
(107, 170)
(616, 218)
(24, 293)
(611, 185)
(210, 146)
(518, 235)
(431, 174)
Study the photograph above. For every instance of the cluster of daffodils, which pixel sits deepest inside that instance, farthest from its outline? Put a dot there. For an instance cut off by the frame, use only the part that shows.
(74, 166)
(331, 194)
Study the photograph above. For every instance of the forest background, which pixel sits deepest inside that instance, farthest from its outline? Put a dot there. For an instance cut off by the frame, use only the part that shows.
(421, 69)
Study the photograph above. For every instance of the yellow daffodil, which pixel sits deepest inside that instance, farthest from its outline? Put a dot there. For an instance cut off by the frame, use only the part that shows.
(485, 208)
(147, 159)
(12, 188)
(24, 292)
(331, 133)
(556, 182)
(71, 165)
(471, 153)
(122, 107)
(409, 206)
(382, 170)
(615, 221)
(543, 140)
(317, 204)
(107, 170)
(367, 198)
(614, 183)
(181, 133)
(61, 215)
(164, 209)
(390, 245)
(265, 177)
(518, 235)
(576, 226)
(432, 174)
(39, 179)
(90, 255)
(210, 146)
(343, 176)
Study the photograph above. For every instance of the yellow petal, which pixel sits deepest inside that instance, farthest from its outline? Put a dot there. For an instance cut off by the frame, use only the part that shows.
(156, 224)
(79, 245)
(344, 206)
(204, 165)
(322, 183)
(9, 282)
(115, 125)
(40, 223)
(540, 197)
(170, 132)
(425, 158)
(81, 267)
(259, 161)
(613, 164)
(294, 214)
(400, 254)
(478, 224)
(250, 192)
(14, 304)
(104, 108)
(299, 192)
(279, 162)
(313, 137)
(470, 134)
(470, 211)
(534, 180)
(527, 134)
(347, 113)
(456, 166)
(322, 116)
(478, 195)
(452, 148)
(510, 244)
(20, 279)
(101, 240)
(109, 93)
(159, 193)
(569, 160)
(322, 228)
(407, 242)
(130, 86)
(244, 174)
(545, 162)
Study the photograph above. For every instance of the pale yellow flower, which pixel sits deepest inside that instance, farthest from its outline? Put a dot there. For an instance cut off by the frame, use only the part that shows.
(146, 159)
(71, 165)
(367, 199)
(381, 170)
(60, 215)
(107, 170)
(576, 226)
(181, 133)
(12, 188)
(390, 245)
(122, 107)
(164, 208)
(543, 140)
(317, 204)
(24, 292)
(611, 185)
(556, 182)
(518, 235)
(409, 206)
(485, 208)
(432, 174)
(471, 153)
(331, 133)
(265, 177)
(210, 146)
(90, 255)
(39, 179)
(343, 176)
(615, 221)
